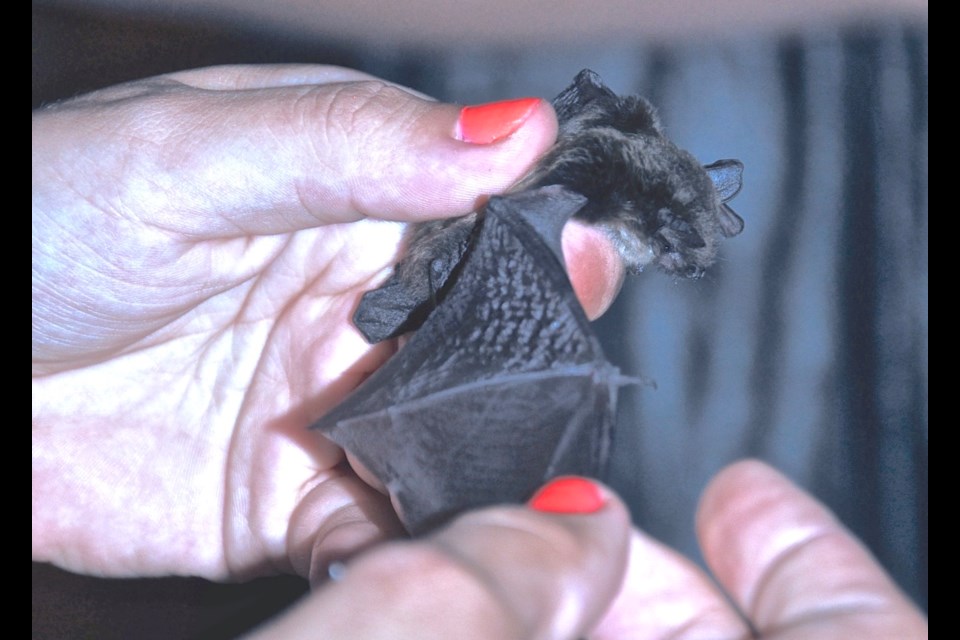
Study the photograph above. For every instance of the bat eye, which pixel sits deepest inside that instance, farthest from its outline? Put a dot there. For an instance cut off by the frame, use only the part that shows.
(665, 246)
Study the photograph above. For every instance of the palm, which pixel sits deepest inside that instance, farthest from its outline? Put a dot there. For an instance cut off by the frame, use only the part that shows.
(267, 351)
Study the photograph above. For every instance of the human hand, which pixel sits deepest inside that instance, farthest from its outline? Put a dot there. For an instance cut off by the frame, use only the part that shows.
(783, 560)
(199, 243)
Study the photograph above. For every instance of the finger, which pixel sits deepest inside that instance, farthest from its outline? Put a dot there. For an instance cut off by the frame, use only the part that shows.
(385, 153)
(503, 572)
(214, 164)
(791, 566)
(666, 595)
(594, 266)
(335, 520)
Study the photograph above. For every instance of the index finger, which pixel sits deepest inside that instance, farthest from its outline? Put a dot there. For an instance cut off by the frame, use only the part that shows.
(594, 267)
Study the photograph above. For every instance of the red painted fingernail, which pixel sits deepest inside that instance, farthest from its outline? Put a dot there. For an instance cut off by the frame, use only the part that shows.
(568, 495)
(486, 123)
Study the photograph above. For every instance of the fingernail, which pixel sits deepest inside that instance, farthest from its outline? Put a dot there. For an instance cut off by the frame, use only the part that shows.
(568, 495)
(486, 123)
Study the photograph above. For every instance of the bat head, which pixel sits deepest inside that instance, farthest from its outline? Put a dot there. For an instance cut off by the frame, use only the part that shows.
(655, 200)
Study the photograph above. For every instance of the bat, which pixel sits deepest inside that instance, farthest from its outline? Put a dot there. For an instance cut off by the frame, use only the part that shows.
(654, 200)
(504, 385)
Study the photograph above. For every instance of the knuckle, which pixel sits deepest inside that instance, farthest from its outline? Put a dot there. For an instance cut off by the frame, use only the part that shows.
(358, 106)
(357, 126)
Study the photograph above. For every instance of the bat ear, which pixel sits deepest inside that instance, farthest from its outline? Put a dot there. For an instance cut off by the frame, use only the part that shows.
(587, 87)
(730, 223)
(727, 177)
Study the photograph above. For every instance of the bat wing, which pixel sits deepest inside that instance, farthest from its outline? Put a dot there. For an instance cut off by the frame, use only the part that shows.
(504, 386)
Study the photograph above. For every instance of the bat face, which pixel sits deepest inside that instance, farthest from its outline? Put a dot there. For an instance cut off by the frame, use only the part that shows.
(654, 200)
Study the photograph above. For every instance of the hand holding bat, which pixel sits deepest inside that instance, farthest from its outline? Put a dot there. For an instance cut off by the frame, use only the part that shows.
(171, 379)
(192, 294)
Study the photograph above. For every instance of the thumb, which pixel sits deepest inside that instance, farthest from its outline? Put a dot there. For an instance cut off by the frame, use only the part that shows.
(250, 150)
(548, 570)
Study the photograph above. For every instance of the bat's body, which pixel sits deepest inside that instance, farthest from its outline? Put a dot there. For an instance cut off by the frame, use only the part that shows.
(504, 385)
(654, 200)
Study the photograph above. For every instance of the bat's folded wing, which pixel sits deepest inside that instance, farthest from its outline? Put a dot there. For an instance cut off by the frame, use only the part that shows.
(503, 387)
(485, 443)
